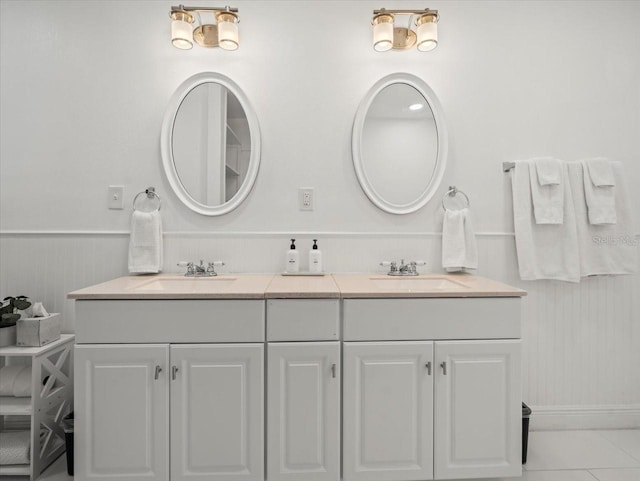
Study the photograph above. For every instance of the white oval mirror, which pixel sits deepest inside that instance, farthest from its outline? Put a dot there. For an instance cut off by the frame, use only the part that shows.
(399, 143)
(210, 144)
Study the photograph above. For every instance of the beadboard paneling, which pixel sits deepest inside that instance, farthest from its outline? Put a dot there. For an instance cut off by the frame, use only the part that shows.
(581, 342)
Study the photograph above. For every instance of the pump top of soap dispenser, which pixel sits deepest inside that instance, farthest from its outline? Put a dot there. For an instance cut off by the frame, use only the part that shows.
(293, 244)
(315, 244)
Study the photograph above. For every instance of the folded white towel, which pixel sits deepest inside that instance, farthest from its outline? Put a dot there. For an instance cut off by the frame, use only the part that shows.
(599, 191)
(145, 243)
(607, 248)
(600, 172)
(547, 196)
(545, 251)
(459, 248)
(8, 376)
(15, 447)
(22, 383)
(549, 171)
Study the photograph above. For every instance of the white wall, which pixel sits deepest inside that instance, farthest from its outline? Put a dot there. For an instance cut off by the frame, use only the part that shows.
(83, 94)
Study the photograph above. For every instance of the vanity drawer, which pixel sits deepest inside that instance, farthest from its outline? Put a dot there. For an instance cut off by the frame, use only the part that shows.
(303, 319)
(189, 320)
(432, 319)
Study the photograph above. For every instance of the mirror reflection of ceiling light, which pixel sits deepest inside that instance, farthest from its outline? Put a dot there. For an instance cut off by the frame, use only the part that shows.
(423, 32)
(223, 33)
(416, 106)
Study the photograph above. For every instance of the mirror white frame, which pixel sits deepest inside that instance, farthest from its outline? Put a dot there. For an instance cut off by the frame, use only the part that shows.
(356, 143)
(166, 143)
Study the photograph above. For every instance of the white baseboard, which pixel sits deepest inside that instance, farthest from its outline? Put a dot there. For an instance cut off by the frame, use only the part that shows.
(546, 418)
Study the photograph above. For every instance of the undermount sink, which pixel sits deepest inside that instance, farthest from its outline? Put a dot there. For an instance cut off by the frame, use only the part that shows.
(417, 283)
(186, 284)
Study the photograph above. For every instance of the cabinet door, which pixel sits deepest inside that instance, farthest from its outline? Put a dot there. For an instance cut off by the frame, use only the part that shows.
(217, 412)
(477, 412)
(121, 412)
(303, 411)
(388, 411)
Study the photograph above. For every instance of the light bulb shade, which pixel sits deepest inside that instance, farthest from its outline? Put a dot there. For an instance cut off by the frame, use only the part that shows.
(227, 30)
(427, 32)
(382, 32)
(181, 33)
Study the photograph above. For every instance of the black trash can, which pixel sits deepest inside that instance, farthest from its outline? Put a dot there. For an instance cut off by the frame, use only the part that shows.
(67, 425)
(526, 412)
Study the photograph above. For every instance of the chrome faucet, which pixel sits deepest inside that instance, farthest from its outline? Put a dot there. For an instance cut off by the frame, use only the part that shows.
(194, 270)
(408, 269)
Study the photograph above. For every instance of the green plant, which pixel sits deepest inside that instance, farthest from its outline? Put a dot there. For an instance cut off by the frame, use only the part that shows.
(9, 306)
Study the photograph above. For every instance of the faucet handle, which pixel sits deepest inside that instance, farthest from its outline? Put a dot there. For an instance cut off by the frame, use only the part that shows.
(189, 265)
(391, 265)
(413, 264)
(211, 270)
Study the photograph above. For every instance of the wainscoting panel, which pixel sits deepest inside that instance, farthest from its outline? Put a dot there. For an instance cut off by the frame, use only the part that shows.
(581, 342)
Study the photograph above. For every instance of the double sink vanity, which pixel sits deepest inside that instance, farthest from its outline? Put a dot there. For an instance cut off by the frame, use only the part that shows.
(254, 377)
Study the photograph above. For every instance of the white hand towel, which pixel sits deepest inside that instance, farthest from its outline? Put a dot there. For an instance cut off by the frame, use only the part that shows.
(549, 171)
(145, 243)
(459, 249)
(14, 447)
(22, 383)
(545, 251)
(608, 248)
(8, 376)
(547, 196)
(601, 172)
(599, 191)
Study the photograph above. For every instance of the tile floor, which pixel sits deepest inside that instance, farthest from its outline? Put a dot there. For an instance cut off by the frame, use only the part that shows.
(552, 456)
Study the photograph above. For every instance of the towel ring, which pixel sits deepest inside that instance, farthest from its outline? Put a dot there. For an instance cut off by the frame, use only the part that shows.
(452, 192)
(150, 192)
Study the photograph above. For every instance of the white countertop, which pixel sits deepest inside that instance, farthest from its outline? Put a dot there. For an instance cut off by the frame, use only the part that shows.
(261, 286)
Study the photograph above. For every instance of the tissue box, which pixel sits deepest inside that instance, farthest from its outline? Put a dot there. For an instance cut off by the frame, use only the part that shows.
(38, 331)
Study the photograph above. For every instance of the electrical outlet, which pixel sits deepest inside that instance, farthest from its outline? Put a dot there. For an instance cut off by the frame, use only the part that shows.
(116, 197)
(305, 198)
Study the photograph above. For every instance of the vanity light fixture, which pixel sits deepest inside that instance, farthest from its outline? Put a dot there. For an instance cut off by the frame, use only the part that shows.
(421, 30)
(223, 33)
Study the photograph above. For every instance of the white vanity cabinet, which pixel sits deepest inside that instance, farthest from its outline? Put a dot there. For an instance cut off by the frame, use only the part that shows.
(324, 378)
(160, 410)
(419, 404)
(303, 390)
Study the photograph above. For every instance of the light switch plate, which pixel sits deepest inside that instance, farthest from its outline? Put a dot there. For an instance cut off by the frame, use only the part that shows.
(306, 199)
(116, 197)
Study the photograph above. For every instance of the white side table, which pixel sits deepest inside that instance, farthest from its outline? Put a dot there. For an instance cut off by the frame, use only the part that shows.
(50, 401)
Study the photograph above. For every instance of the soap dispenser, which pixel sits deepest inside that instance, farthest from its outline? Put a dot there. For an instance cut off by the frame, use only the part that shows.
(315, 258)
(293, 264)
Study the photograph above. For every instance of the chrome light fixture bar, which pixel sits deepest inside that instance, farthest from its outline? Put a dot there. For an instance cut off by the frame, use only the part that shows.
(223, 33)
(421, 30)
